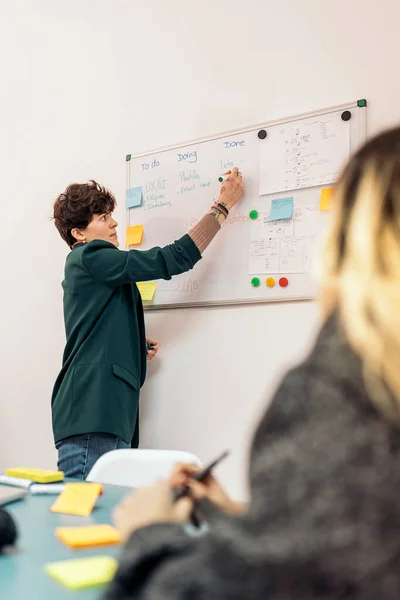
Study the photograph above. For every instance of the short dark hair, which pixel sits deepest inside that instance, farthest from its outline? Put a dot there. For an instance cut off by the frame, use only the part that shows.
(75, 207)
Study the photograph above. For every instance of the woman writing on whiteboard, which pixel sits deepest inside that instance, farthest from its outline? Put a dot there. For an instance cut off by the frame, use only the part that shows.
(324, 514)
(96, 395)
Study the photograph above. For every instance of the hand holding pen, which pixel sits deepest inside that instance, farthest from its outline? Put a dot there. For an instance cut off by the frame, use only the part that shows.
(201, 484)
(188, 475)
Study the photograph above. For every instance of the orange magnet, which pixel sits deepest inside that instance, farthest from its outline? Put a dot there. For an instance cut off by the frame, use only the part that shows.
(270, 282)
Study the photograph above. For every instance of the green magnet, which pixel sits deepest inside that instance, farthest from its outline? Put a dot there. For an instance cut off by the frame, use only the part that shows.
(220, 179)
(253, 214)
(255, 282)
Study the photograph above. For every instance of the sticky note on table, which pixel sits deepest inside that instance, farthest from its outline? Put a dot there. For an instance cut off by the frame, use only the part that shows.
(36, 475)
(281, 208)
(134, 197)
(147, 290)
(84, 537)
(325, 200)
(77, 499)
(134, 235)
(81, 573)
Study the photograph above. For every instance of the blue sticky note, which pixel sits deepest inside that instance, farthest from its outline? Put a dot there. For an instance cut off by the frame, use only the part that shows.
(281, 209)
(134, 197)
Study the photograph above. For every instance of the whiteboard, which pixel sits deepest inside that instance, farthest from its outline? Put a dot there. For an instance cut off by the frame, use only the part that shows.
(293, 158)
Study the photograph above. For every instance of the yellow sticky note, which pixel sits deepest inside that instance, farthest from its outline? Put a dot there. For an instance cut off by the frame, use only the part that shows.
(84, 537)
(325, 200)
(134, 235)
(77, 499)
(81, 573)
(36, 475)
(147, 290)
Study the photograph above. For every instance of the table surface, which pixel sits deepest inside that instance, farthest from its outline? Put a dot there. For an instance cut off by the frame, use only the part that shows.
(22, 573)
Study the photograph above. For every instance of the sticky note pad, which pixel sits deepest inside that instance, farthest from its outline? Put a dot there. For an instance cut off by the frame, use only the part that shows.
(147, 290)
(325, 200)
(281, 208)
(81, 573)
(134, 197)
(84, 537)
(77, 499)
(36, 475)
(134, 235)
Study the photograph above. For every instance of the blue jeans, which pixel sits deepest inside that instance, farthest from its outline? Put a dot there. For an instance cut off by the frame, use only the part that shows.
(78, 453)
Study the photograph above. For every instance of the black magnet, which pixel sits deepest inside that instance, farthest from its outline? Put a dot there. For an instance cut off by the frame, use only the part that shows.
(346, 115)
(262, 134)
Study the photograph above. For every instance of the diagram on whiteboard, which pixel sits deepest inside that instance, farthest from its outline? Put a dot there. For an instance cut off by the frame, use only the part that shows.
(313, 153)
(287, 245)
(271, 241)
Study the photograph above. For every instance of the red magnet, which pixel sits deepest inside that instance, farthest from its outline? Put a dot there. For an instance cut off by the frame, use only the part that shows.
(283, 282)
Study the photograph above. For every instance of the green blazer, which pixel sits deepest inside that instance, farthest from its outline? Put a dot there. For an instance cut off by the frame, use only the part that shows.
(104, 363)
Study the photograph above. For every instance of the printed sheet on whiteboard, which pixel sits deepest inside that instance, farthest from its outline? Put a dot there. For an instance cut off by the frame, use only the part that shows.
(287, 245)
(315, 150)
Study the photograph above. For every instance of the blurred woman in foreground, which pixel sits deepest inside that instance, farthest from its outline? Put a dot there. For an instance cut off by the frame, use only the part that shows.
(324, 515)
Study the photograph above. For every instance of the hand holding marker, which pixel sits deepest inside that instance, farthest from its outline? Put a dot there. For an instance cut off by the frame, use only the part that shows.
(152, 348)
(225, 175)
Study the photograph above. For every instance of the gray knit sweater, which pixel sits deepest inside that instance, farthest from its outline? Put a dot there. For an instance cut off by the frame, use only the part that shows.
(324, 517)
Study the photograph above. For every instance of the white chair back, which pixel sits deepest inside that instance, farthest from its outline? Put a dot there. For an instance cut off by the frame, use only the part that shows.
(137, 468)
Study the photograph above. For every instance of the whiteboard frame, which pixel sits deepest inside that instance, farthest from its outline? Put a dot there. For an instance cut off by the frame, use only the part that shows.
(265, 124)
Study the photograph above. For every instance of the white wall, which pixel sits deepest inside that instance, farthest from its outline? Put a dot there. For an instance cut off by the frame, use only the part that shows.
(86, 81)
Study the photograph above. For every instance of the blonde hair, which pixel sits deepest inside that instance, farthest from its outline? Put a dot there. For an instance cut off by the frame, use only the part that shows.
(361, 260)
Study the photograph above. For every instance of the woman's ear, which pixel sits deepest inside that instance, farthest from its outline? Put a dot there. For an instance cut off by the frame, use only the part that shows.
(78, 235)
